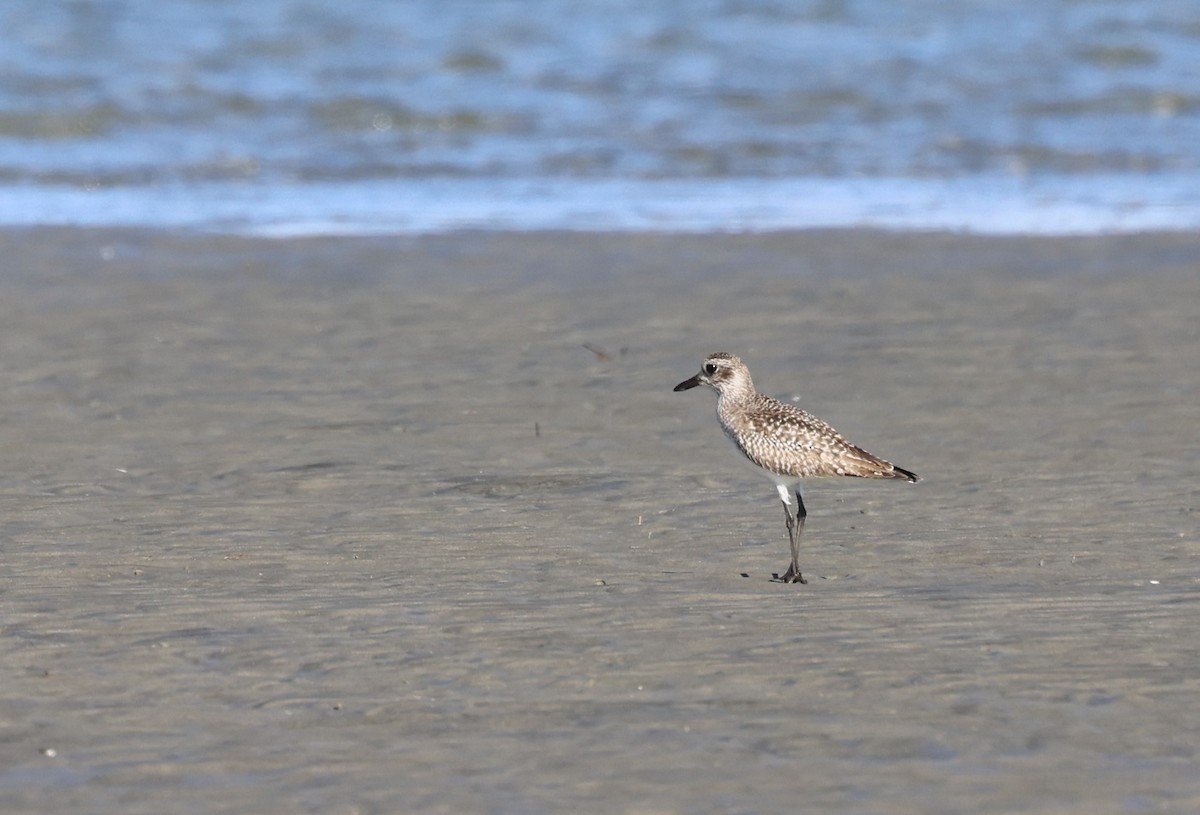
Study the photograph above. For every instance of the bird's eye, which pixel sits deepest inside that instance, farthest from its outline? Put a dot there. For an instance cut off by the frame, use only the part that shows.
(710, 369)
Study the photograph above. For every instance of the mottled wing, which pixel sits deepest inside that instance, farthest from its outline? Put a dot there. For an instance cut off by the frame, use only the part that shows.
(786, 439)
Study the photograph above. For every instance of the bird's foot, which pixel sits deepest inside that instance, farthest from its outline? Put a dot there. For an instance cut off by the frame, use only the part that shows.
(792, 575)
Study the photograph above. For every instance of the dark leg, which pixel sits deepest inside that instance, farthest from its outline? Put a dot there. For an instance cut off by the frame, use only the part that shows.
(795, 527)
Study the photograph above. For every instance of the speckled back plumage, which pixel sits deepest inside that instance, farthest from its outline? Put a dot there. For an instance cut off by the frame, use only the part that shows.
(783, 439)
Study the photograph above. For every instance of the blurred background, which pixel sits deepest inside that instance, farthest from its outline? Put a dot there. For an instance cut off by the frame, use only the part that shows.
(305, 117)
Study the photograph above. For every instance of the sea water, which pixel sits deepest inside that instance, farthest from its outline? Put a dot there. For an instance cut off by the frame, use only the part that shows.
(293, 117)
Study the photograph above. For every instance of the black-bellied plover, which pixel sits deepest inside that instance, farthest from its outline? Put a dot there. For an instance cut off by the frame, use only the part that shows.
(783, 441)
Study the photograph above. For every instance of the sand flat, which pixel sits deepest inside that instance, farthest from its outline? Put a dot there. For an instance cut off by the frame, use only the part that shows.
(360, 525)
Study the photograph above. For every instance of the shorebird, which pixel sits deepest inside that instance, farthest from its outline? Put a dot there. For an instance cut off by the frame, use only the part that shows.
(786, 443)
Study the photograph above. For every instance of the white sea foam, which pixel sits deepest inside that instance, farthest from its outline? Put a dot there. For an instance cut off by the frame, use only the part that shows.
(988, 205)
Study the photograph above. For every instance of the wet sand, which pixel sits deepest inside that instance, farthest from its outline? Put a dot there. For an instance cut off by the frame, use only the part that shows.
(359, 525)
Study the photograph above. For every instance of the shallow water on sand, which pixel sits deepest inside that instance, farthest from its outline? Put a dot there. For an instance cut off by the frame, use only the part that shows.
(361, 526)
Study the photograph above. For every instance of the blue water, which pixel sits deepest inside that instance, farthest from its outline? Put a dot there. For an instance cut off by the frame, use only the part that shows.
(288, 117)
